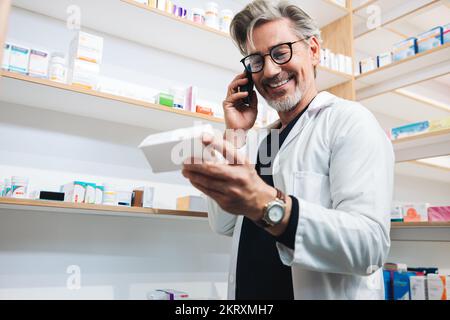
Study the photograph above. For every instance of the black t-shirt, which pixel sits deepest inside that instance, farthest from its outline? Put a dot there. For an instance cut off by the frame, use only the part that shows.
(260, 274)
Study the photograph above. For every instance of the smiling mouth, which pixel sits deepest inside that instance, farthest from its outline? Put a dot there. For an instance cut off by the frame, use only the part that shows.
(279, 84)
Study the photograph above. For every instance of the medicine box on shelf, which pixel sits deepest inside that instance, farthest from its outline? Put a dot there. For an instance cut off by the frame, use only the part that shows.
(430, 39)
(192, 203)
(405, 49)
(19, 58)
(446, 33)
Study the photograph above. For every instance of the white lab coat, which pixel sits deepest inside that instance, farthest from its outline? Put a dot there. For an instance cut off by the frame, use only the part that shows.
(339, 163)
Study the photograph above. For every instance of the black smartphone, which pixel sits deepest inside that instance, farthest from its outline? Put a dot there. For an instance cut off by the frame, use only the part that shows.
(248, 87)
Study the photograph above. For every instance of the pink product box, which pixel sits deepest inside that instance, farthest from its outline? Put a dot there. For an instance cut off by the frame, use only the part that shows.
(439, 214)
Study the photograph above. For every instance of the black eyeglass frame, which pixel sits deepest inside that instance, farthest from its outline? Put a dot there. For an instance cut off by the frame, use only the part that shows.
(270, 54)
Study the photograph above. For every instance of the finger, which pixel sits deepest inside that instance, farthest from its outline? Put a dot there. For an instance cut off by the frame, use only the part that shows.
(214, 171)
(236, 97)
(210, 193)
(200, 182)
(208, 171)
(239, 80)
(228, 151)
(207, 182)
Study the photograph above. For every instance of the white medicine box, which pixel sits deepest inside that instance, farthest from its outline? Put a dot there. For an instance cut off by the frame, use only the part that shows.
(18, 59)
(87, 47)
(74, 191)
(38, 63)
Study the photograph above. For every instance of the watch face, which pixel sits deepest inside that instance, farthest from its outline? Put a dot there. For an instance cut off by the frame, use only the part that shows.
(276, 213)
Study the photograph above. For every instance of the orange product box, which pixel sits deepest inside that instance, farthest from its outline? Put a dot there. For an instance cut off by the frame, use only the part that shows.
(204, 110)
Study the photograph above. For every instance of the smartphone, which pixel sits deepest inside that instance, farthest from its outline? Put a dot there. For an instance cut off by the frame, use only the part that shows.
(248, 87)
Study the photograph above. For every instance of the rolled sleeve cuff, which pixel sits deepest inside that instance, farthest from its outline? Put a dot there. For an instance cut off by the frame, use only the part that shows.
(288, 236)
(287, 252)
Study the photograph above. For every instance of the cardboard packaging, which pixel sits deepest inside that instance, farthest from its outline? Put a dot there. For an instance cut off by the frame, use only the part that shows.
(439, 214)
(430, 39)
(418, 287)
(405, 49)
(38, 63)
(192, 203)
(74, 191)
(415, 212)
(143, 197)
(18, 59)
(437, 286)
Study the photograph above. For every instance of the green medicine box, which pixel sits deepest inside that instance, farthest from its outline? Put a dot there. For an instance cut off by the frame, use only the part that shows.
(165, 99)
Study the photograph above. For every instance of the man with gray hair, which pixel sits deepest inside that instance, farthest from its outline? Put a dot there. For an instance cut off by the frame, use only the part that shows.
(317, 225)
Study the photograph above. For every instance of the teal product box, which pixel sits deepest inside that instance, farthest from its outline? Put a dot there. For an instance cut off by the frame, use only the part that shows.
(405, 49)
(410, 129)
(430, 39)
(401, 285)
(446, 33)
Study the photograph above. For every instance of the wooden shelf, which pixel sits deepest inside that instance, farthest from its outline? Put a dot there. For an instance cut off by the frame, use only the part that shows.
(423, 66)
(328, 78)
(426, 145)
(67, 207)
(408, 225)
(46, 94)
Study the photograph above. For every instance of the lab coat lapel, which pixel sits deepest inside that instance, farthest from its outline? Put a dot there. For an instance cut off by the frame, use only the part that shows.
(322, 100)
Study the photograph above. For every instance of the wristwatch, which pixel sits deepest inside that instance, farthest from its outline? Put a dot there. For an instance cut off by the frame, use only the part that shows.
(274, 211)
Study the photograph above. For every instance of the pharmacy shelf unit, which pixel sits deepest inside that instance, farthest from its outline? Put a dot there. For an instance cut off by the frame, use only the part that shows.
(187, 38)
(54, 96)
(427, 145)
(83, 208)
(421, 67)
(134, 22)
(429, 231)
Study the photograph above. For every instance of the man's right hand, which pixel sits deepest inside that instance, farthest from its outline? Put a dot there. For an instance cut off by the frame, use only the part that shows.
(237, 114)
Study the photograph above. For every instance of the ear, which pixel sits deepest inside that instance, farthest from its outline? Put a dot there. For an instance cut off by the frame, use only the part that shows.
(314, 50)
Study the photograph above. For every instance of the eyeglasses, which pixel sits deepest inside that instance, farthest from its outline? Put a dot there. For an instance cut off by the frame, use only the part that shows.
(280, 54)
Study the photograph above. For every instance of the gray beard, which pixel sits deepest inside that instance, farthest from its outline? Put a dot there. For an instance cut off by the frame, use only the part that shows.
(286, 103)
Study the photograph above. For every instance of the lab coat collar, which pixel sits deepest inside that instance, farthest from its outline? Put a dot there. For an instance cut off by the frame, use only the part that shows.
(321, 101)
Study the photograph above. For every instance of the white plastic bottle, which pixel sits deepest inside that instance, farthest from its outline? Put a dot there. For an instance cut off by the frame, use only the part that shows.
(57, 68)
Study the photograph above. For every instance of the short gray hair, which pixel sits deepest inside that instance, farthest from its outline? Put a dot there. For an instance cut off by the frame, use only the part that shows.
(259, 12)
